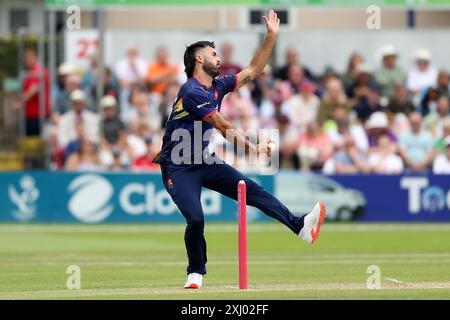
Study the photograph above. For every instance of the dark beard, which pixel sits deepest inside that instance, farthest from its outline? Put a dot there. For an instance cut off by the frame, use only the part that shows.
(211, 69)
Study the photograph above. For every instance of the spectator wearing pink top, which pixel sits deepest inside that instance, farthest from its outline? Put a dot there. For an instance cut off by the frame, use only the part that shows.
(384, 160)
(314, 147)
(302, 108)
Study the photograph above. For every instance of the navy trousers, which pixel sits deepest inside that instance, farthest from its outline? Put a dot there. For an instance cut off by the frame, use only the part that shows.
(184, 184)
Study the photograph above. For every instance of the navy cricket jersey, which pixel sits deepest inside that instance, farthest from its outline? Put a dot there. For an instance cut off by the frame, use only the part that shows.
(195, 102)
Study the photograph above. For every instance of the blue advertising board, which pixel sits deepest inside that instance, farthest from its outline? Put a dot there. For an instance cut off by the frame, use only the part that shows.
(134, 198)
(403, 198)
(368, 197)
(109, 197)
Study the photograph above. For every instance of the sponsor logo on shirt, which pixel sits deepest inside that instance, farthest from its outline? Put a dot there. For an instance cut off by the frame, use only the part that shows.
(203, 104)
(170, 183)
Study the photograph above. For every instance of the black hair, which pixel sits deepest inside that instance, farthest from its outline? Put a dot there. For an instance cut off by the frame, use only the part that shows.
(189, 55)
(135, 87)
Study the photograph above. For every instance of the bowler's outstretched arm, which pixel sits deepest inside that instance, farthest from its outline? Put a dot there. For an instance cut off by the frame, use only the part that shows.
(264, 52)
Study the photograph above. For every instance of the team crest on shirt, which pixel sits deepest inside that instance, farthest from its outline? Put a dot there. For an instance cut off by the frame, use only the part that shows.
(170, 183)
(216, 94)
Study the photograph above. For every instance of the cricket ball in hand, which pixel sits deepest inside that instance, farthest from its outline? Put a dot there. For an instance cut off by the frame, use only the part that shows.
(271, 145)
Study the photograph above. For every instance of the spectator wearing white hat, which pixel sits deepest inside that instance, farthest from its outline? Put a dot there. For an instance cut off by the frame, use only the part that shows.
(63, 101)
(70, 121)
(389, 75)
(112, 129)
(377, 126)
(65, 69)
(441, 164)
(416, 145)
(114, 149)
(422, 76)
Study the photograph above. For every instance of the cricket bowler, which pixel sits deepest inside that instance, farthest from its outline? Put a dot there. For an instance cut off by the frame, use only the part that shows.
(198, 101)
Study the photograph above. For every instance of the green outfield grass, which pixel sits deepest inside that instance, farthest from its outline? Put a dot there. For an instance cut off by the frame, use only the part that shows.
(148, 262)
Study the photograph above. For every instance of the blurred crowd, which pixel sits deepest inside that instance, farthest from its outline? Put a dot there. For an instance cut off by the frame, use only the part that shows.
(386, 121)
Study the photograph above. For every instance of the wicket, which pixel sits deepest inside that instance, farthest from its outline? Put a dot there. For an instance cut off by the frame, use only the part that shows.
(242, 233)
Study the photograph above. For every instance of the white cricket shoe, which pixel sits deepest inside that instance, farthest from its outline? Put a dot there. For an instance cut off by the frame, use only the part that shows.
(194, 281)
(312, 222)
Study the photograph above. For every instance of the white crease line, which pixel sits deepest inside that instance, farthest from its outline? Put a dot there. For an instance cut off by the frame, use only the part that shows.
(217, 289)
(395, 280)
